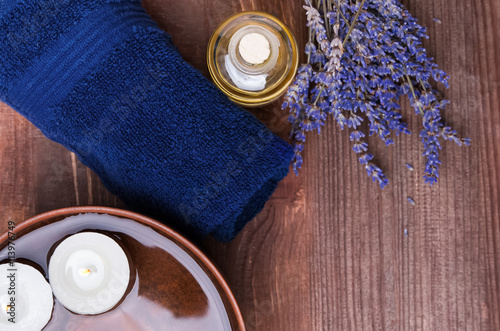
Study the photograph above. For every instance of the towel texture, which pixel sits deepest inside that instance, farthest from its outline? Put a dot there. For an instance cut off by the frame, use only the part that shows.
(101, 78)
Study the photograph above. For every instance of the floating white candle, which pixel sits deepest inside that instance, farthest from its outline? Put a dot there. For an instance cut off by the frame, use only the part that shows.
(89, 273)
(26, 298)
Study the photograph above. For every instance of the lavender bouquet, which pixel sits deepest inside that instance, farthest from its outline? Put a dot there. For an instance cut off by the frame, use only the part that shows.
(359, 64)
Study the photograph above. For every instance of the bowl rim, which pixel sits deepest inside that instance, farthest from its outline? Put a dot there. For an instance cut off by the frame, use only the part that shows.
(145, 220)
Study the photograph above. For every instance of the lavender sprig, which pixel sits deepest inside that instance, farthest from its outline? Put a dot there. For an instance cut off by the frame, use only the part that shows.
(362, 58)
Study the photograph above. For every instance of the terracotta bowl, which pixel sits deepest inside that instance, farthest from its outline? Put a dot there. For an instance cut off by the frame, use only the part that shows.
(173, 284)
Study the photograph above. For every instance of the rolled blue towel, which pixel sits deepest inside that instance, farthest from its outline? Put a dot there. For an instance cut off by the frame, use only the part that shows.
(101, 78)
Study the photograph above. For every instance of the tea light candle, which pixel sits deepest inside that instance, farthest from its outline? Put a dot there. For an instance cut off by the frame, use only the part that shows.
(89, 273)
(26, 298)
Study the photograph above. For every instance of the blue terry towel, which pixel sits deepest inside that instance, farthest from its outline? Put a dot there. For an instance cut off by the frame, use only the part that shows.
(101, 78)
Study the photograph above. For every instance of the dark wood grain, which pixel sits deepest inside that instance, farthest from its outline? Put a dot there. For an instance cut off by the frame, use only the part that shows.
(329, 251)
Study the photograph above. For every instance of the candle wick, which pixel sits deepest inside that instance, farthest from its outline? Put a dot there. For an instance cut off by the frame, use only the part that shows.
(85, 272)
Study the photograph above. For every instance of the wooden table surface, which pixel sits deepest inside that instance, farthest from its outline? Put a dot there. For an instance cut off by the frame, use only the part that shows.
(329, 251)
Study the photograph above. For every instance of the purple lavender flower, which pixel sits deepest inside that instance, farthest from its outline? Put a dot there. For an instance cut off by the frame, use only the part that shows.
(359, 64)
